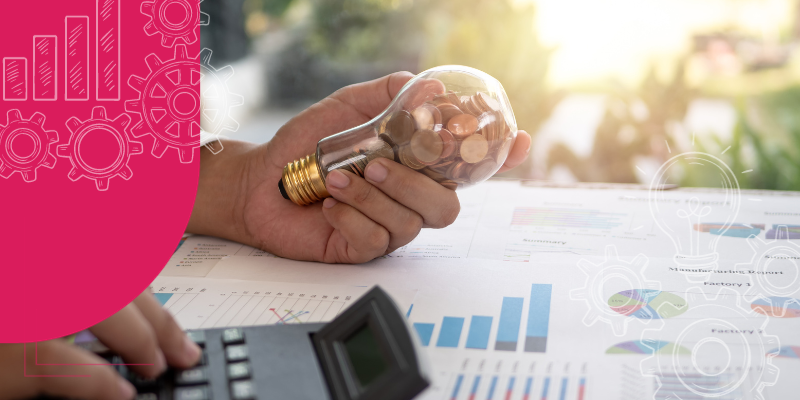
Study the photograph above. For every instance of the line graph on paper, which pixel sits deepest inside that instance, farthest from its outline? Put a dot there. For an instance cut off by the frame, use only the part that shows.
(214, 303)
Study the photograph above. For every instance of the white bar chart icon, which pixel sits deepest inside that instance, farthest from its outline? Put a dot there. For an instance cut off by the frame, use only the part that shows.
(76, 58)
(45, 68)
(15, 79)
(108, 50)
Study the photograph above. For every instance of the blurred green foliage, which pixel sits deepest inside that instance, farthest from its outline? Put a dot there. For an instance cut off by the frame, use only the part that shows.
(358, 31)
(767, 141)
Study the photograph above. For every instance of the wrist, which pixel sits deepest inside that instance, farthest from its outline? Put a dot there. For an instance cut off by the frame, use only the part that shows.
(221, 191)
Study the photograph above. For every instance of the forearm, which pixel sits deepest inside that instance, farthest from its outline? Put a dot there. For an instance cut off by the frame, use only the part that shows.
(221, 192)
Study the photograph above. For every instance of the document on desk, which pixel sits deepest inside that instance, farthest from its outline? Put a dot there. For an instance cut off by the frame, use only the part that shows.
(199, 303)
(578, 294)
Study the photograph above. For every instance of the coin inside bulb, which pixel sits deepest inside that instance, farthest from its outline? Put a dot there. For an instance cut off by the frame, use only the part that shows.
(426, 145)
(401, 127)
(463, 125)
(474, 148)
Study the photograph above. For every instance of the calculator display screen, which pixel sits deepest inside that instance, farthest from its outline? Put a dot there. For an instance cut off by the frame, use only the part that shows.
(365, 355)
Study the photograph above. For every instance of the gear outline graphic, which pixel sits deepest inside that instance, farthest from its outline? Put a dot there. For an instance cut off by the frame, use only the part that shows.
(217, 101)
(170, 31)
(158, 92)
(43, 141)
(99, 122)
(652, 366)
(171, 79)
(597, 275)
(759, 262)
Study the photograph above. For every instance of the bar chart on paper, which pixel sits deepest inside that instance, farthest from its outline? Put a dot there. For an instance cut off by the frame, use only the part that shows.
(506, 326)
(537, 382)
(209, 303)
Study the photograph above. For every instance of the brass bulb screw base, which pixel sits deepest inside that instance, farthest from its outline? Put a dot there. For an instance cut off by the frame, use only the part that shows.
(302, 181)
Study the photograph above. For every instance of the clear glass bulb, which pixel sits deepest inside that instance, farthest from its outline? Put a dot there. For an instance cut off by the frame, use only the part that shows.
(451, 123)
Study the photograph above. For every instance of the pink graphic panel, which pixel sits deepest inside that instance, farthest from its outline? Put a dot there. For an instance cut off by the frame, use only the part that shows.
(15, 79)
(45, 67)
(76, 59)
(88, 232)
(108, 49)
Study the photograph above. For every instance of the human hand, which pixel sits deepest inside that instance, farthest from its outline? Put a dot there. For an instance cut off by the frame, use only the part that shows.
(365, 217)
(141, 333)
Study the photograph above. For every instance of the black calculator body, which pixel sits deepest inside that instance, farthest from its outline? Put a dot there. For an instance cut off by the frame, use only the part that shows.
(367, 353)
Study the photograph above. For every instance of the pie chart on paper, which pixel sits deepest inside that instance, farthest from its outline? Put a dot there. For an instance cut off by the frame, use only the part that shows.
(648, 304)
(647, 347)
(787, 352)
(780, 307)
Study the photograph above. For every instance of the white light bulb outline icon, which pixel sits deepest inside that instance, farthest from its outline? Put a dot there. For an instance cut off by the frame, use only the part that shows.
(696, 257)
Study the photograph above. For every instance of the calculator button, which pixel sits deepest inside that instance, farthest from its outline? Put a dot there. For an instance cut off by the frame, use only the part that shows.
(192, 376)
(192, 393)
(236, 353)
(141, 382)
(146, 396)
(199, 337)
(239, 370)
(232, 336)
(243, 390)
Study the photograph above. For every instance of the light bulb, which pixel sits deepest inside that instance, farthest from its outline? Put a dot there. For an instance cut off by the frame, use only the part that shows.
(684, 221)
(451, 123)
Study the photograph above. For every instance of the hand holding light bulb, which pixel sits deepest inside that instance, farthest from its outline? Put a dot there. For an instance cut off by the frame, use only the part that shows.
(452, 123)
(366, 217)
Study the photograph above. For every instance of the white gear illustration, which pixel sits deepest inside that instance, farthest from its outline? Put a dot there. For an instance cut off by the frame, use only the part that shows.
(764, 253)
(216, 100)
(169, 124)
(748, 358)
(99, 123)
(39, 156)
(598, 275)
(171, 30)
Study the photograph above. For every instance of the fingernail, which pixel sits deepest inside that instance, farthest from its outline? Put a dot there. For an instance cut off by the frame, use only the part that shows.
(338, 179)
(126, 390)
(191, 350)
(376, 172)
(329, 202)
(161, 361)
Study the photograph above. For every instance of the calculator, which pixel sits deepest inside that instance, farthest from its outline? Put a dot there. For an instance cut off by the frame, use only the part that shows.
(367, 353)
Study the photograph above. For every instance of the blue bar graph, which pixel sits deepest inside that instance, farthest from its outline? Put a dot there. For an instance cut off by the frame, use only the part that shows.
(475, 384)
(450, 334)
(478, 336)
(492, 386)
(528, 384)
(508, 327)
(538, 318)
(545, 388)
(457, 387)
(563, 394)
(425, 331)
(162, 297)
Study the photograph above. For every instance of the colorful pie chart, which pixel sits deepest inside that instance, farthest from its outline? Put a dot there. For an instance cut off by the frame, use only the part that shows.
(647, 347)
(780, 307)
(787, 352)
(648, 304)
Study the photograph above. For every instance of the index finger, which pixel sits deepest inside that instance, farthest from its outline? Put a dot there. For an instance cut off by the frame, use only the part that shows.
(437, 204)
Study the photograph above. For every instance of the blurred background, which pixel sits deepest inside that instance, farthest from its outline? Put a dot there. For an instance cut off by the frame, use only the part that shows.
(609, 89)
